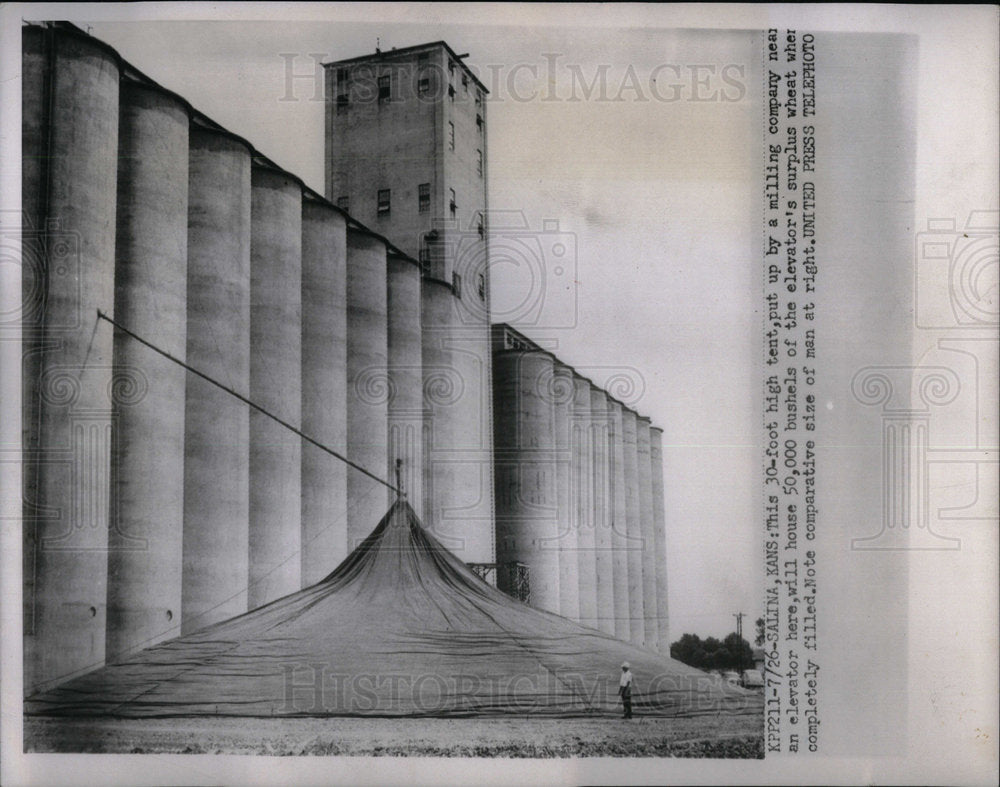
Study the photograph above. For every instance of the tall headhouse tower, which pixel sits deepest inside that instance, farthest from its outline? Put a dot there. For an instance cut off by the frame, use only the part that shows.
(406, 155)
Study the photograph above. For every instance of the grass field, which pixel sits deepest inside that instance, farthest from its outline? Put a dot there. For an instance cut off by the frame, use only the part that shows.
(706, 736)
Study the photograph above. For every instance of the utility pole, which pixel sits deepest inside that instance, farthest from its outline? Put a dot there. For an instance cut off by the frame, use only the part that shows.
(739, 642)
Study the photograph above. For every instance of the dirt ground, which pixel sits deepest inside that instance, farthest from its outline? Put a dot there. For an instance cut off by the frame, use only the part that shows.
(706, 736)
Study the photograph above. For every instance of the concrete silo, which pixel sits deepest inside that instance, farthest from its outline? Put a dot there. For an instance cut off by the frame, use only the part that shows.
(633, 528)
(562, 392)
(367, 382)
(71, 89)
(527, 530)
(647, 528)
(582, 492)
(601, 485)
(147, 499)
(275, 384)
(217, 426)
(467, 512)
(619, 519)
(440, 385)
(660, 539)
(406, 401)
(324, 388)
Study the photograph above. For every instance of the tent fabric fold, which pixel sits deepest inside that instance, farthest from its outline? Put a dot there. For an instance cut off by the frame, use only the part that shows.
(401, 628)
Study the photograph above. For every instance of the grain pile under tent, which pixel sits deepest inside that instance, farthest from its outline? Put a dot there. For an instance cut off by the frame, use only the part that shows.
(401, 628)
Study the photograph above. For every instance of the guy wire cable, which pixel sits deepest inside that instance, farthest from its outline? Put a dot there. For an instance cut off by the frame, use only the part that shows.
(101, 315)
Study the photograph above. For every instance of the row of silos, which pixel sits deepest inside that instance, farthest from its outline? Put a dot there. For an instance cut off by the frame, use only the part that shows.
(156, 502)
(579, 495)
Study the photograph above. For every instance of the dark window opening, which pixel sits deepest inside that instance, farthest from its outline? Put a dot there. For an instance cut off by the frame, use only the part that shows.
(456, 284)
(451, 66)
(422, 57)
(423, 85)
(465, 82)
(342, 103)
(424, 197)
(383, 89)
(344, 203)
(481, 227)
(479, 98)
(341, 77)
(481, 287)
(451, 136)
(425, 260)
(451, 92)
(452, 205)
(479, 162)
(383, 200)
(479, 122)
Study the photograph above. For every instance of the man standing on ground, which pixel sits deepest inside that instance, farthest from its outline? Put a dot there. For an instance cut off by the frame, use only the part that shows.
(625, 690)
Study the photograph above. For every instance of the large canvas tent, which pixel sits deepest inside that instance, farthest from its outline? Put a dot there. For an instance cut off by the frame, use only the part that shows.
(401, 628)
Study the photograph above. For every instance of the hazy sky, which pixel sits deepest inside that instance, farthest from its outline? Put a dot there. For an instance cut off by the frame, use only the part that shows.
(653, 187)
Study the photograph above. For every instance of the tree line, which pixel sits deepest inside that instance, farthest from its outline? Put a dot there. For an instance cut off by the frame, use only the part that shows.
(710, 653)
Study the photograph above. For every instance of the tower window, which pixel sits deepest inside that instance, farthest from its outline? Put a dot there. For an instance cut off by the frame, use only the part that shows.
(423, 85)
(452, 205)
(451, 66)
(479, 98)
(344, 203)
(451, 136)
(422, 57)
(383, 89)
(383, 201)
(341, 79)
(481, 227)
(425, 259)
(451, 92)
(424, 197)
(481, 287)
(479, 162)
(456, 284)
(479, 122)
(342, 104)
(465, 82)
